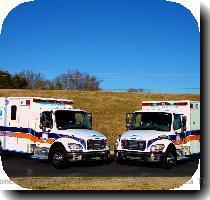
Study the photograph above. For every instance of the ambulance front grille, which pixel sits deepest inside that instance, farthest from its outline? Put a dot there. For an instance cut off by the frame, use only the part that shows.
(96, 144)
(133, 145)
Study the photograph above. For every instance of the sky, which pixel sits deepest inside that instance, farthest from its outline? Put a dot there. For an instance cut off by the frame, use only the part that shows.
(150, 44)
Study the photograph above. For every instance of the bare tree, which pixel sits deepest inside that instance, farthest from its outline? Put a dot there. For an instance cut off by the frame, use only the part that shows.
(135, 90)
(35, 80)
(76, 80)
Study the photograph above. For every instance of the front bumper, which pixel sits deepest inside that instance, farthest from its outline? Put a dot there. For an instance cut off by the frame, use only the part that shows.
(85, 156)
(141, 156)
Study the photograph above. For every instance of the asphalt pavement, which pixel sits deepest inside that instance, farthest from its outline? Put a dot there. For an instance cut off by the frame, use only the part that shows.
(23, 166)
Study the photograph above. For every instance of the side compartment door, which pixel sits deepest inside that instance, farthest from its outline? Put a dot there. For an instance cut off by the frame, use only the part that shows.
(24, 137)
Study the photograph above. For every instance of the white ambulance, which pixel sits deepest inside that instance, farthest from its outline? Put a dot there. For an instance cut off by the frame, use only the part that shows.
(49, 129)
(163, 131)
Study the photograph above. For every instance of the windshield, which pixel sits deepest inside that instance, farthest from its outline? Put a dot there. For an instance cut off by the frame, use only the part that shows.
(159, 121)
(66, 119)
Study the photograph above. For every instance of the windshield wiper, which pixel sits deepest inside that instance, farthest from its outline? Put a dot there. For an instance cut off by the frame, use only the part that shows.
(140, 128)
(159, 129)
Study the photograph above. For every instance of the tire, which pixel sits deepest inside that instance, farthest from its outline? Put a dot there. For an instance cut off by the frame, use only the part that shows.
(2, 153)
(170, 158)
(58, 158)
(120, 160)
(5, 155)
(105, 158)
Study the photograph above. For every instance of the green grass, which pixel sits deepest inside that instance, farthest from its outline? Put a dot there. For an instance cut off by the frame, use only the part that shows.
(108, 108)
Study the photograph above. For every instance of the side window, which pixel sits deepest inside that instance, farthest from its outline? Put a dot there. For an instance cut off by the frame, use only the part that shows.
(177, 122)
(46, 119)
(13, 112)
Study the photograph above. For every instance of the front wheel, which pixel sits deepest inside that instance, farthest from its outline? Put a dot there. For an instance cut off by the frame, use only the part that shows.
(170, 158)
(120, 160)
(58, 158)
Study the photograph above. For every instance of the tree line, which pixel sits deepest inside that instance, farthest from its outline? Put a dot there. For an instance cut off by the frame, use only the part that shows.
(27, 79)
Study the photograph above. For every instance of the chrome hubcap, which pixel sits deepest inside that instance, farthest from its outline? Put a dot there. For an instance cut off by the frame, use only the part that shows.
(57, 157)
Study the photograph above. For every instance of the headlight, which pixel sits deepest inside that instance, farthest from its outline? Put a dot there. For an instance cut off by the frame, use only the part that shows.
(75, 146)
(157, 147)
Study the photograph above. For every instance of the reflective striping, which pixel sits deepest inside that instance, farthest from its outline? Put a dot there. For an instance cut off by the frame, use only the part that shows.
(31, 137)
(152, 141)
(191, 135)
(34, 136)
(194, 132)
(22, 135)
(54, 101)
(164, 103)
(188, 139)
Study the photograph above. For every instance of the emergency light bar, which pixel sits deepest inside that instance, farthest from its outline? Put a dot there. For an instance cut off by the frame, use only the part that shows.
(25, 102)
(70, 102)
(165, 104)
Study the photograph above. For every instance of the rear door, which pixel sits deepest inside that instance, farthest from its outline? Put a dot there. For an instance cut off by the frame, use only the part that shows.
(10, 126)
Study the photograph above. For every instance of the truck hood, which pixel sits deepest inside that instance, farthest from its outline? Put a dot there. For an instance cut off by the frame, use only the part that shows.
(84, 134)
(142, 134)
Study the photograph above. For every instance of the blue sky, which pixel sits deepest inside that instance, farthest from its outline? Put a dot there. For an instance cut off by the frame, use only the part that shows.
(126, 43)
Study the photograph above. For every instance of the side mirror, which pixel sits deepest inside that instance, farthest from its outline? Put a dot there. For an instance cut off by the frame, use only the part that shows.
(42, 127)
(90, 117)
(127, 126)
(184, 123)
(128, 120)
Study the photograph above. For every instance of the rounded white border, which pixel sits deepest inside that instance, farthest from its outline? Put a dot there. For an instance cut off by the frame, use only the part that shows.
(7, 6)
(193, 6)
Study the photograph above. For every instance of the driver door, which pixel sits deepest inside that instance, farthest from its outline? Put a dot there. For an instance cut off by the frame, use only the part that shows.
(46, 124)
(177, 126)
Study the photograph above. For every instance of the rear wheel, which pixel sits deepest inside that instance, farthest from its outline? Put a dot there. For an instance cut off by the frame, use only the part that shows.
(2, 153)
(170, 158)
(58, 158)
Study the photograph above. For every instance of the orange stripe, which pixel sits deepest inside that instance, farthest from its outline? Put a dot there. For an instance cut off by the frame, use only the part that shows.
(193, 137)
(188, 139)
(32, 138)
(22, 135)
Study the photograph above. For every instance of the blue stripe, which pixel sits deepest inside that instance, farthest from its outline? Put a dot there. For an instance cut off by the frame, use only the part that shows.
(152, 141)
(194, 132)
(14, 151)
(184, 158)
(172, 137)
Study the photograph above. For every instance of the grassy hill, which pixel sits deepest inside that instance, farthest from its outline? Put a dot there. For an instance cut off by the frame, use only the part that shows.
(108, 108)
